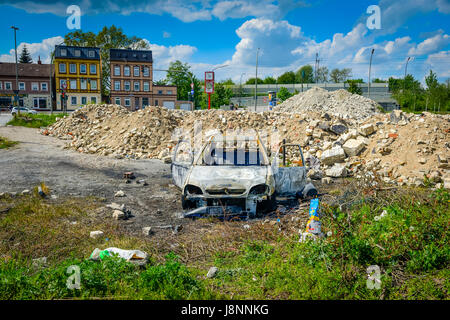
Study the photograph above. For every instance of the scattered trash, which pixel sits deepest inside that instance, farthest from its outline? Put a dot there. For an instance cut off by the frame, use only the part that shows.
(313, 227)
(177, 228)
(134, 256)
(246, 226)
(96, 234)
(26, 192)
(129, 175)
(212, 272)
(40, 262)
(147, 231)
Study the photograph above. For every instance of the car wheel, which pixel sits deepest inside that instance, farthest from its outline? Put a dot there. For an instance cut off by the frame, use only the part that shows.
(267, 206)
(187, 204)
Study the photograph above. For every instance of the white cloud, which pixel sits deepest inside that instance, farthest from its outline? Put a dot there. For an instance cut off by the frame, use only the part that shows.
(430, 45)
(440, 62)
(42, 49)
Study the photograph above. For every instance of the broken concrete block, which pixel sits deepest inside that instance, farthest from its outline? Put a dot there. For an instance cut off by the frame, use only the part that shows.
(337, 171)
(96, 234)
(327, 180)
(367, 129)
(333, 155)
(212, 272)
(40, 262)
(147, 231)
(119, 193)
(26, 191)
(353, 147)
(338, 129)
(422, 160)
(314, 174)
(118, 215)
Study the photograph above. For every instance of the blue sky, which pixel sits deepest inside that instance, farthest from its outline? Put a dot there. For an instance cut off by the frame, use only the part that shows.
(208, 33)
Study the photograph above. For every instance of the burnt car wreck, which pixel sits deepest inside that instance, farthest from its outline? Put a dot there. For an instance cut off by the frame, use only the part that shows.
(236, 176)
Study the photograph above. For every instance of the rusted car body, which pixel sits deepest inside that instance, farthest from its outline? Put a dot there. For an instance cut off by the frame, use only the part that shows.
(234, 175)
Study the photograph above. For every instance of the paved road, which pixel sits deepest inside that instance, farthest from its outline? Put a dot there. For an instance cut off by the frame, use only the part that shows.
(4, 118)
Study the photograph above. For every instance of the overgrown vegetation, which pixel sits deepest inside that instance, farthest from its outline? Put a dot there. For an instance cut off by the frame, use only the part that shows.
(5, 143)
(35, 120)
(409, 243)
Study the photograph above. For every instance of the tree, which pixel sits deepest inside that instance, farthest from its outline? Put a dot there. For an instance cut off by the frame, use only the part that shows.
(161, 82)
(107, 38)
(179, 75)
(322, 75)
(283, 94)
(227, 82)
(353, 87)
(340, 75)
(25, 56)
(305, 75)
(379, 81)
(270, 80)
(220, 97)
(252, 81)
(286, 78)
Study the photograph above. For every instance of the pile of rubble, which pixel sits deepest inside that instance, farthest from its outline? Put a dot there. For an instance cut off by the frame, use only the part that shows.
(400, 148)
(340, 103)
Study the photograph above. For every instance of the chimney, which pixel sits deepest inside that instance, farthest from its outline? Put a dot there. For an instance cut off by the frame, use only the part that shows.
(39, 60)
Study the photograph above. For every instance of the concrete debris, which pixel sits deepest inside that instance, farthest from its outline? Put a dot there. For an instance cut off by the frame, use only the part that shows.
(212, 272)
(119, 193)
(147, 231)
(353, 147)
(96, 234)
(333, 155)
(337, 171)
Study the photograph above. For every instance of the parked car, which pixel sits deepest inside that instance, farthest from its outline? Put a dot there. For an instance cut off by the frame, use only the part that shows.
(234, 175)
(24, 110)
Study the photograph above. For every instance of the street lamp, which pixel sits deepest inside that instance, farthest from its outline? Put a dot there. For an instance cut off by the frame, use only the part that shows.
(370, 68)
(240, 89)
(256, 79)
(17, 70)
(406, 68)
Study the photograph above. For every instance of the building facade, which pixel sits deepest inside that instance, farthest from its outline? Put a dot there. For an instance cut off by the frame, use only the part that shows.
(132, 81)
(78, 69)
(33, 85)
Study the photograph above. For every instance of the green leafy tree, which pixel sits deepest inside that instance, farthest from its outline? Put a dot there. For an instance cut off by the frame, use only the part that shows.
(227, 82)
(220, 97)
(283, 94)
(252, 81)
(286, 78)
(270, 80)
(305, 75)
(353, 87)
(377, 80)
(322, 75)
(108, 38)
(340, 75)
(180, 75)
(25, 56)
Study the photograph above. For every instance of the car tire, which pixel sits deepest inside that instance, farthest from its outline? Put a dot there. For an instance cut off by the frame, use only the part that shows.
(187, 204)
(267, 206)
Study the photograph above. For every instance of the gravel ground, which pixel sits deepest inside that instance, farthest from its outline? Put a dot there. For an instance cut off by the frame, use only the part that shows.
(4, 118)
(67, 173)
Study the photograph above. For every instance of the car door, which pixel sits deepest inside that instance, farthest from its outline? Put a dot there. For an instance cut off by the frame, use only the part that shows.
(181, 162)
(290, 176)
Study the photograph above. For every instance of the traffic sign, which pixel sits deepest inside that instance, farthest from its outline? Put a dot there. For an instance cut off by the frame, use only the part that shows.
(209, 82)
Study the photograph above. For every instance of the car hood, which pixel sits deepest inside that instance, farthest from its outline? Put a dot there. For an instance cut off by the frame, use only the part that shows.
(232, 177)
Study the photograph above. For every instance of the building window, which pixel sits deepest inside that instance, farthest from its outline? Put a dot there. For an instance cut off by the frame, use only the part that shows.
(146, 86)
(156, 102)
(146, 71)
(127, 102)
(136, 86)
(93, 84)
(40, 103)
(44, 86)
(117, 85)
(35, 86)
(117, 70)
(144, 102)
(118, 101)
(72, 68)
(83, 84)
(91, 54)
(1, 85)
(126, 71)
(136, 72)
(73, 100)
(160, 92)
(127, 85)
(62, 68)
(82, 68)
(77, 53)
(93, 69)
(8, 86)
(169, 91)
(62, 83)
(73, 84)
(83, 100)
(64, 52)
(22, 86)
(93, 99)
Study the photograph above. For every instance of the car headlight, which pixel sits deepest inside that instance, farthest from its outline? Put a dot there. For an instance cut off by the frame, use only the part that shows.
(191, 189)
(259, 189)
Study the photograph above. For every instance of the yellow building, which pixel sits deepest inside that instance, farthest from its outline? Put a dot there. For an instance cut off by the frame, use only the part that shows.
(78, 69)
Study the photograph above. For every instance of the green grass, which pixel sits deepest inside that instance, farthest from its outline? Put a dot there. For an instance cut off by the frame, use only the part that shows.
(5, 143)
(35, 120)
(410, 245)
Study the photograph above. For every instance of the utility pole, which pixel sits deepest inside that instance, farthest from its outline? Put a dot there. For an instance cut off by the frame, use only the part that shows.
(256, 79)
(406, 70)
(17, 70)
(315, 67)
(370, 68)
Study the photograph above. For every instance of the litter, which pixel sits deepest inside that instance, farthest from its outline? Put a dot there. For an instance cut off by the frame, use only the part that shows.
(133, 256)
